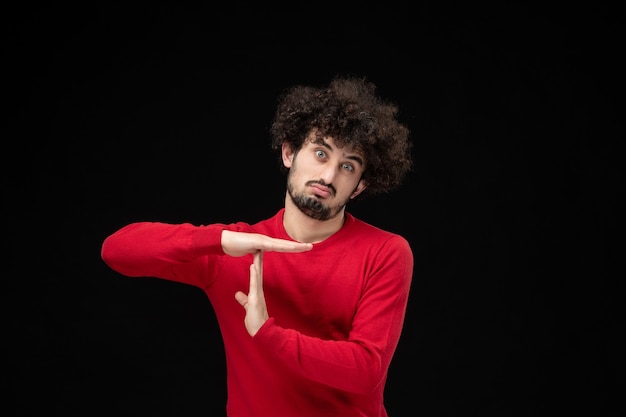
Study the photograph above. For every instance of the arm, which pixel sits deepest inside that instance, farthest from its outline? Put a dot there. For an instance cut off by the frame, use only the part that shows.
(165, 250)
(359, 363)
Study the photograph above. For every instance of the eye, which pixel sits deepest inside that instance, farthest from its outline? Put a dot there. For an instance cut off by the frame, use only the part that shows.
(347, 167)
(320, 154)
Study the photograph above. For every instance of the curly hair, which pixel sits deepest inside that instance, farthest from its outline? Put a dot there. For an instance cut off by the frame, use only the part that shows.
(349, 111)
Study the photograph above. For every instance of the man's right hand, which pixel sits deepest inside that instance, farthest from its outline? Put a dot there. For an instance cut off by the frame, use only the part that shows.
(240, 243)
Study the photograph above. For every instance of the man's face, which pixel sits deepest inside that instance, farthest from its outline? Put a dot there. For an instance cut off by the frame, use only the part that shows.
(323, 177)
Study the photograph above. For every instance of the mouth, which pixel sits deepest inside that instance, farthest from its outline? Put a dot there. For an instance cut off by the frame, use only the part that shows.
(321, 191)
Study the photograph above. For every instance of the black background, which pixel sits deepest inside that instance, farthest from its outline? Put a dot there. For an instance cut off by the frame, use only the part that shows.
(121, 113)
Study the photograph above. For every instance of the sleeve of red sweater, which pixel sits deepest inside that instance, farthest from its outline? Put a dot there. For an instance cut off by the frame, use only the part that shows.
(162, 250)
(360, 363)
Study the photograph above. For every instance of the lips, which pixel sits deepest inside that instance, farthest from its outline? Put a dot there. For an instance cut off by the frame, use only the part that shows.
(321, 191)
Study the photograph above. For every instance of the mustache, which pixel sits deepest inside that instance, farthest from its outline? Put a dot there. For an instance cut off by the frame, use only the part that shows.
(322, 182)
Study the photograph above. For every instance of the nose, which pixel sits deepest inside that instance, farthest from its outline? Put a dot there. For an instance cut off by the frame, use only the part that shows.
(328, 173)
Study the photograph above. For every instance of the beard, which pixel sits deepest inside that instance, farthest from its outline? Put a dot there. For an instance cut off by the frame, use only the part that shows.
(311, 206)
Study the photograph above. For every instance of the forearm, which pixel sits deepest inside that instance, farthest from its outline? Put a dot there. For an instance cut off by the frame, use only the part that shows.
(347, 365)
(150, 249)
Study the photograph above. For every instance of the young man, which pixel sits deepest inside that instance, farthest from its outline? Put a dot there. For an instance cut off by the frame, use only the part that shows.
(311, 302)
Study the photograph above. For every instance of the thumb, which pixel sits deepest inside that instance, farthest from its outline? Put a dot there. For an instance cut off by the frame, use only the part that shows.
(242, 298)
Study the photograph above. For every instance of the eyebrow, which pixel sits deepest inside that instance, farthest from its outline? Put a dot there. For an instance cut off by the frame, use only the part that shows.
(356, 158)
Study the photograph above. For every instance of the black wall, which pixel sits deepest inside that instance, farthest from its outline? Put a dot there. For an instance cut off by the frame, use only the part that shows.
(514, 209)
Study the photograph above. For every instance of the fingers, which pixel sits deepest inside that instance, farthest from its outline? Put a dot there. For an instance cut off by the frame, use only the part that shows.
(239, 244)
(258, 266)
(282, 245)
(254, 279)
(255, 289)
(254, 302)
(256, 276)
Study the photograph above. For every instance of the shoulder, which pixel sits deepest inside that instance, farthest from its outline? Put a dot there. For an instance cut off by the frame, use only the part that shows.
(357, 224)
(268, 226)
(373, 235)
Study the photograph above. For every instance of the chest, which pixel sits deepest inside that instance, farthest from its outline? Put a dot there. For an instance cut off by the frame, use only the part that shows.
(314, 292)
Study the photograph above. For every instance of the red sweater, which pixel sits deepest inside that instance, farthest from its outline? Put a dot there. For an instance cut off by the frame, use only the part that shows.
(336, 311)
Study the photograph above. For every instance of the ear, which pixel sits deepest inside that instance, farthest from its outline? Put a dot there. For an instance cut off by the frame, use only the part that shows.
(287, 154)
(362, 185)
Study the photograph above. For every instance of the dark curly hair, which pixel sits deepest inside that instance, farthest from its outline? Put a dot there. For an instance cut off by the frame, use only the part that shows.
(349, 111)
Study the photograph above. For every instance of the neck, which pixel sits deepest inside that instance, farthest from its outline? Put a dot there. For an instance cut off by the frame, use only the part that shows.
(303, 228)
